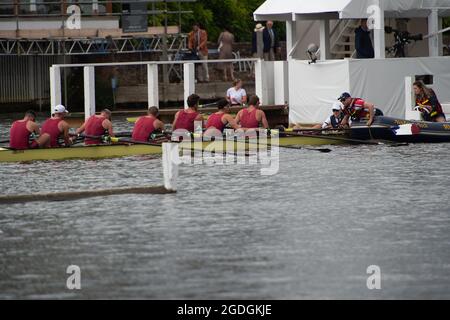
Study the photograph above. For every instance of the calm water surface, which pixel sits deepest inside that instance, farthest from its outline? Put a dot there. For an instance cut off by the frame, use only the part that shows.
(309, 232)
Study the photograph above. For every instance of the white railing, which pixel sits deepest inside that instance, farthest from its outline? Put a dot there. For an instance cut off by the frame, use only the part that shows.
(152, 79)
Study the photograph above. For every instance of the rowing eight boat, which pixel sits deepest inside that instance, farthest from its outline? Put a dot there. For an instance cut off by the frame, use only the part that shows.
(124, 150)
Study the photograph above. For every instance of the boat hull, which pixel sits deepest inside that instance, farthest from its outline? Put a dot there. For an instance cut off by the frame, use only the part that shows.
(387, 128)
(124, 150)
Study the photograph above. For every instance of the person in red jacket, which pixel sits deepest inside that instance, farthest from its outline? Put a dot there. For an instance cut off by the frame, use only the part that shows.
(356, 109)
(21, 131)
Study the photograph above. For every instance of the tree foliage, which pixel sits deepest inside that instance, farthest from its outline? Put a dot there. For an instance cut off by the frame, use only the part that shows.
(214, 15)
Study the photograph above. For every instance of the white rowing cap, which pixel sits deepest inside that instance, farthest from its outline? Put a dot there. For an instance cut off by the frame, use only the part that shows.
(60, 109)
(337, 106)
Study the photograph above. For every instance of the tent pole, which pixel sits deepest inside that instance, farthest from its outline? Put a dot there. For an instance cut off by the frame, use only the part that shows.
(379, 36)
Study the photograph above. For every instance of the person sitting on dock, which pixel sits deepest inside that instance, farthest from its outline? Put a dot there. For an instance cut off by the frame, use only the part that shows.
(252, 117)
(145, 126)
(57, 128)
(221, 118)
(21, 131)
(357, 109)
(236, 95)
(185, 119)
(96, 126)
(427, 103)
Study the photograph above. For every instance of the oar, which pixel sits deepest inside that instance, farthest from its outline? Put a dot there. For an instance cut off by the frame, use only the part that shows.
(122, 140)
(313, 130)
(356, 141)
(305, 148)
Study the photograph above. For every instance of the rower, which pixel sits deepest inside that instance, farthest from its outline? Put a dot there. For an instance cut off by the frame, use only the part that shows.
(357, 109)
(145, 126)
(97, 126)
(221, 118)
(427, 103)
(21, 131)
(57, 128)
(185, 119)
(251, 117)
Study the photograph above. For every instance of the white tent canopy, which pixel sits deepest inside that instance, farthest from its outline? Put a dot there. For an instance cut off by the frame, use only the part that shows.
(291, 10)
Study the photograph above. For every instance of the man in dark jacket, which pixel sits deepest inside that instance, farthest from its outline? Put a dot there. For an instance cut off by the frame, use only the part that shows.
(363, 43)
(271, 42)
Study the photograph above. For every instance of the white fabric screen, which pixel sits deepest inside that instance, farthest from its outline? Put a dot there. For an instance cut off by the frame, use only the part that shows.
(313, 88)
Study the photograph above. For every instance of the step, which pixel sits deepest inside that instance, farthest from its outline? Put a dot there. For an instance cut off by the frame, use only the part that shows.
(342, 52)
(344, 44)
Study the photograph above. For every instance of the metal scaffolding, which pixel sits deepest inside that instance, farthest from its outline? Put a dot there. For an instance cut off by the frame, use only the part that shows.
(18, 11)
(89, 46)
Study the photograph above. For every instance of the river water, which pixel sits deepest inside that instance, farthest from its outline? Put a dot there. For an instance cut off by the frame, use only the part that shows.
(309, 232)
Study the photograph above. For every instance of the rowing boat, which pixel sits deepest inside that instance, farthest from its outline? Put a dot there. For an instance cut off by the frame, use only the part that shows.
(399, 130)
(124, 150)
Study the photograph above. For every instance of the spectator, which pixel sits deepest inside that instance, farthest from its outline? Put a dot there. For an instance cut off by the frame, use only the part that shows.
(271, 43)
(258, 42)
(236, 95)
(363, 43)
(197, 43)
(226, 41)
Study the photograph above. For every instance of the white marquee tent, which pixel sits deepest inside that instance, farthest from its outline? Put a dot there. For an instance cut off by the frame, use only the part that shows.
(346, 9)
(313, 88)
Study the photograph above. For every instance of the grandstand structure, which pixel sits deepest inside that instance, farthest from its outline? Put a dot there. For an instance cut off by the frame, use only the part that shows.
(34, 34)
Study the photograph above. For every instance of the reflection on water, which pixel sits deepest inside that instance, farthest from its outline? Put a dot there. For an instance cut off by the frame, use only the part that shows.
(309, 232)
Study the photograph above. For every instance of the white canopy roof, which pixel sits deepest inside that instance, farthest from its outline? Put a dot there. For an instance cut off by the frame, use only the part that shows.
(283, 10)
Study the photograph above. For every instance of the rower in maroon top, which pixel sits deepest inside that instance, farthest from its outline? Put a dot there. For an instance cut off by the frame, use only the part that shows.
(222, 118)
(146, 125)
(97, 126)
(252, 116)
(21, 131)
(57, 128)
(185, 119)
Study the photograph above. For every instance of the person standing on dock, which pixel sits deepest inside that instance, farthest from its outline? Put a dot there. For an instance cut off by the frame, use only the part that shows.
(185, 119)
(57, 128)
(96, 126)
(197, 43)
(226, 42)
(357, 109)
(271, 43)
(258, 42)
(221, 118)
(21, 131)
(252, 117)
(363, 42)
(145, 126)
